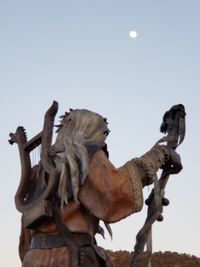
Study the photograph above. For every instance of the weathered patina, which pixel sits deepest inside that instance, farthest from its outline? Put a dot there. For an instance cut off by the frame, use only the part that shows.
(74, 186)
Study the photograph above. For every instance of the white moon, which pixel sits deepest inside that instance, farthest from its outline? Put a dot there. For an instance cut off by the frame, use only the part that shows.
(133, 34)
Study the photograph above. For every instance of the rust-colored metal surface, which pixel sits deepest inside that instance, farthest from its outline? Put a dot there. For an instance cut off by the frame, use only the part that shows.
(74, 186)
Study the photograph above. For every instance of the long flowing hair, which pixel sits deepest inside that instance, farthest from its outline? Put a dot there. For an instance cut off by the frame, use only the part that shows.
(80, 134)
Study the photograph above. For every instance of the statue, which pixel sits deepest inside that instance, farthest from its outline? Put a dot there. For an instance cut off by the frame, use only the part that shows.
(74, 185)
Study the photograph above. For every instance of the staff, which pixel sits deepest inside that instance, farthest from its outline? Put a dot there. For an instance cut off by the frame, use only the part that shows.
(174, 125)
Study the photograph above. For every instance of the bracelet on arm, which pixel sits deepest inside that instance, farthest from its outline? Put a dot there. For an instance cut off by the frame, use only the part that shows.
(151, 162)
(136, 182)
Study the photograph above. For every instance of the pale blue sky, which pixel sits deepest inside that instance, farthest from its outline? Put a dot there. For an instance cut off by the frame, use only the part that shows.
(80, 54)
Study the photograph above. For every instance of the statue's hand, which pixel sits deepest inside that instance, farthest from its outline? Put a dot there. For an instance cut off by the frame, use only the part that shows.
(173, 163)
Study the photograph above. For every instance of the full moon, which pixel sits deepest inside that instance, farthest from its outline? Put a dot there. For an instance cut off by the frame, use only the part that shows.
(133, 34)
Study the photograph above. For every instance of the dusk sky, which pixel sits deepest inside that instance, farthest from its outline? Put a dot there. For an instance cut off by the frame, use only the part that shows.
(80, 54)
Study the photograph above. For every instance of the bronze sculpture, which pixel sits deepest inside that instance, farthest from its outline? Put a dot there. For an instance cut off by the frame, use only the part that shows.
(74, 186)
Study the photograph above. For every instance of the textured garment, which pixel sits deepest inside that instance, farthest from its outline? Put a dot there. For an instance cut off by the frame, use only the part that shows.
(108, 194)
(89, 256)
(50, 250)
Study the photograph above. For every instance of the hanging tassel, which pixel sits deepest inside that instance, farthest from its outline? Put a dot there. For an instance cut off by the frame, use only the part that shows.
(62, 187)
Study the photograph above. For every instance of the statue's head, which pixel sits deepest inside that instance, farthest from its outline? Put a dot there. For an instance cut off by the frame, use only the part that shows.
(80, 134)
(83, 126)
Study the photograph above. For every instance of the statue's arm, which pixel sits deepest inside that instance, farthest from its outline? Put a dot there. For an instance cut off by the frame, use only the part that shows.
(112, 194)
(107, 191)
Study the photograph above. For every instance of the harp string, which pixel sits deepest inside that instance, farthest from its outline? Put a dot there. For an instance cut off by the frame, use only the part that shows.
(35, 155)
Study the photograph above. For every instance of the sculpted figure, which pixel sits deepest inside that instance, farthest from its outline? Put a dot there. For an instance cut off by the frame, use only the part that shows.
(63, 198)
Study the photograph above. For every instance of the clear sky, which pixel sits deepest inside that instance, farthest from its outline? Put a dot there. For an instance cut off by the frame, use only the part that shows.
(80, 54)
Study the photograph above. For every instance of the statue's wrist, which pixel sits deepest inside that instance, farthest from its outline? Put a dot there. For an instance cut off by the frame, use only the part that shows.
(150, 162)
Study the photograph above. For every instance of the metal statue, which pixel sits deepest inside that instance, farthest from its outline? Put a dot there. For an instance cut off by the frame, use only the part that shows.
(74, 186)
